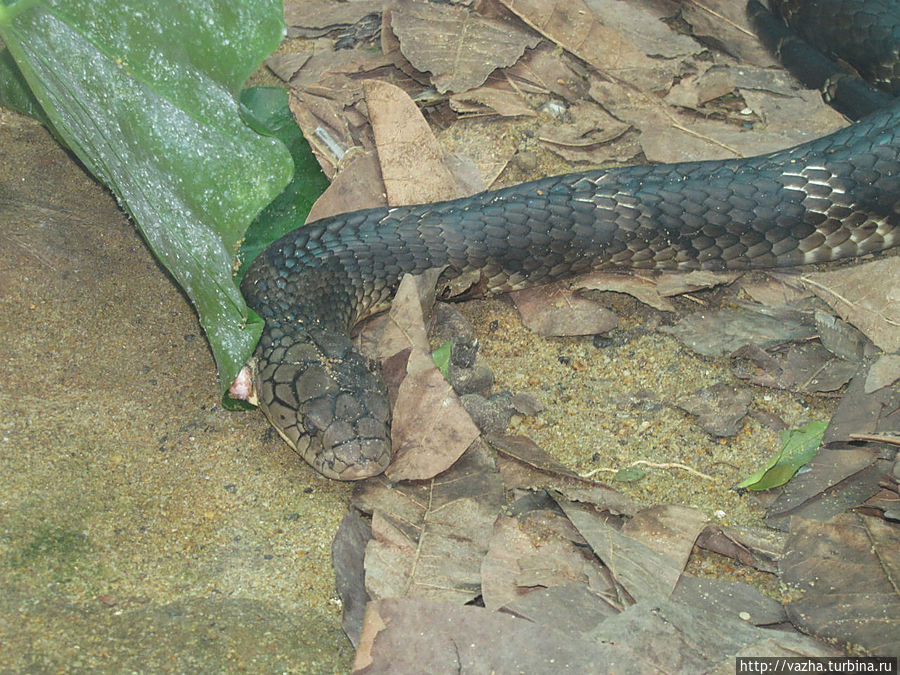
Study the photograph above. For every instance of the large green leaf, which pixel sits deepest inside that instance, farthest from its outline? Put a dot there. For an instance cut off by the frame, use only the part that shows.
(145, 95)
(268, 111)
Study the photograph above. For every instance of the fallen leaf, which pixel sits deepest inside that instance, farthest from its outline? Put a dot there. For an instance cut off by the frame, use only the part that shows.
(730, 598)
(612, 37)
(883, 373)
(571, 609)
(640, 286)
(725, 22)
(798, 448)
(669, 285)
(400, 634)
(411, 160)
(491, 99)
(357, 186)
(536, 550)
(549, 69)
(868, 296)
(807, 366)
(554, 309)
(524, 464)
(459, 47)
(847, 569)
(348, 550)
(719, 333)
(648, 554)
(758, 547)
(429, 537)
(861, 413)
(326, 14)
(586, 135)
(837, 480)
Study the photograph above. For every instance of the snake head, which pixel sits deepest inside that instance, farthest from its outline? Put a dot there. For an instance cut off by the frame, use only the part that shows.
(325, 399)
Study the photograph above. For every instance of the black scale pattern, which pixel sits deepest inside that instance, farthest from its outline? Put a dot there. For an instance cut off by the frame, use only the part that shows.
(835, 197)
(865, 33)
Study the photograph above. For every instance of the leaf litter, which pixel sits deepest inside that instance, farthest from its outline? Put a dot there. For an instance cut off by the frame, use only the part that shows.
(507, 538)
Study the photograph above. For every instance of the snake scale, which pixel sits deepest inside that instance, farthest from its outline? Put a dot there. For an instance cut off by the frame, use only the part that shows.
(834, 197)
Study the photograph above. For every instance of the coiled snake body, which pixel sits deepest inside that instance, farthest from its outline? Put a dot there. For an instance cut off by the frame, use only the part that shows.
(835, 197)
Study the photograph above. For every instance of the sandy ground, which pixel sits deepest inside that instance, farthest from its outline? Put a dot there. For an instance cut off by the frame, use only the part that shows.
(142, 526)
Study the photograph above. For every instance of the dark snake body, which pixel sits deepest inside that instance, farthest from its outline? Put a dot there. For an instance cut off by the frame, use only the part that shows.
(835, 197)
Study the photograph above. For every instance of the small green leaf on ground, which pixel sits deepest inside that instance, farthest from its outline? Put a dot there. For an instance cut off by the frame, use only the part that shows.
(799, 446)
(630, 474)
(441, 357)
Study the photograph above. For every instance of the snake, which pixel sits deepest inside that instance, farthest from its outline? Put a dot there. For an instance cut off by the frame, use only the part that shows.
(830, 198)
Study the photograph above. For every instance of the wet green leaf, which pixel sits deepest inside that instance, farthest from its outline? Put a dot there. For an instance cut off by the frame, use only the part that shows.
(145, 96)
(266, 110)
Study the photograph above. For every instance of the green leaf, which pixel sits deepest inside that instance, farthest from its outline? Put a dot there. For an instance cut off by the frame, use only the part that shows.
(145, 96)
(266, 110)
(630, 474)
(14, 91)
(799, 446)
(441, 357)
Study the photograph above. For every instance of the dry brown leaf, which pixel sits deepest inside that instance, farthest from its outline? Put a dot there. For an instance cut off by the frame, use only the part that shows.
(669, 285)
(459, 47)
(430, 536)
(835, 480)
(328, 131)
(430, 428)
(640, 286)
(539, 549)
(757, 547)
(807, 366)
(883, 373)
(525, 451)
(572, 608)
(411, 160)
(722, 332)
(357, 186)
(491, 99)
(694, 91)
(587, 135)
(671, 135)
(402, 634)
(326, 14)
(849, 572)
(868, 296)
(775, 289)
(524, 464)
(348, 550)
(554, 309)
(861, 413)
(613, 38)
(725, 22)
(648, 554)
(285, 66)
(546, 68)
(719, 408)
(734, 599)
